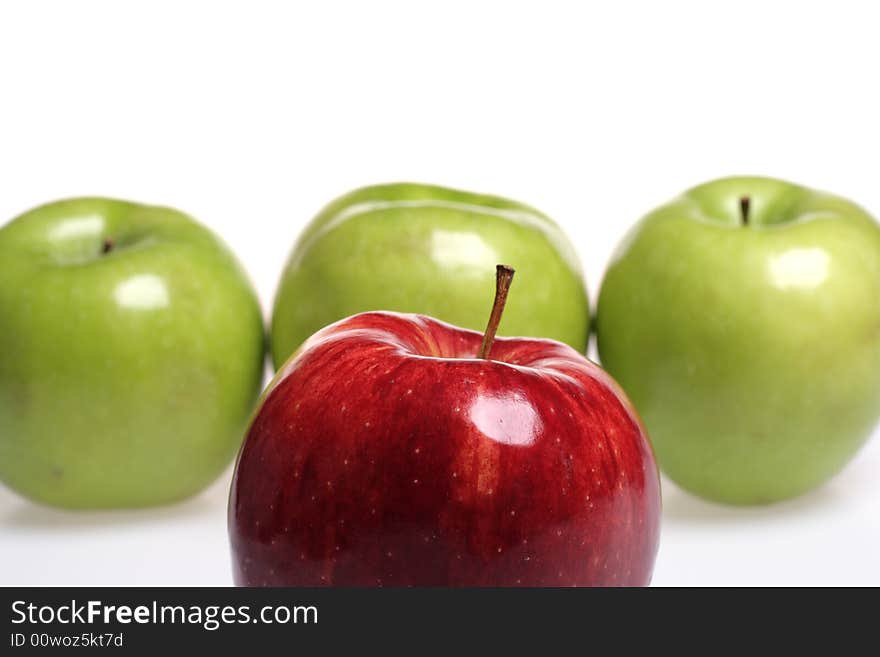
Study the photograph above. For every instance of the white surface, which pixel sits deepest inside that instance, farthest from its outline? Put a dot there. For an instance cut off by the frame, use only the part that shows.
(251, 116)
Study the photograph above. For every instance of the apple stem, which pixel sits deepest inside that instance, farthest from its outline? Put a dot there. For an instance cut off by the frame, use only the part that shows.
(745, 204)
(108, 245)
(503, 278)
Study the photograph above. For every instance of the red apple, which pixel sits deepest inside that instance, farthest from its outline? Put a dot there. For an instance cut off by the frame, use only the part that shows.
(386, 452)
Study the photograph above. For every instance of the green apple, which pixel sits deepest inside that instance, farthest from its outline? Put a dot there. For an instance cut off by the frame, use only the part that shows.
(431, 250)
(131, 353)
(743, 320)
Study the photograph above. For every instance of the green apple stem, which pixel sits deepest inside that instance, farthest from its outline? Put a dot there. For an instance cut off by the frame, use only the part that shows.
(108, 245)
(745, 205)
(503, 278)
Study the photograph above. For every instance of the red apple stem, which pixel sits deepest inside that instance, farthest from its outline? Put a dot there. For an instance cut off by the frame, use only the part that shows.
(745, 205)
(503, 278)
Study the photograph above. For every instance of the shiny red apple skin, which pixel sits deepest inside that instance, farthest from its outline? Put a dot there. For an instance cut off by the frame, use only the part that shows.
(385, 454)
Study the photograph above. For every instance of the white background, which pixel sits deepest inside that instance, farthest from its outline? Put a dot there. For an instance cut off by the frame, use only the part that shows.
(252, 115)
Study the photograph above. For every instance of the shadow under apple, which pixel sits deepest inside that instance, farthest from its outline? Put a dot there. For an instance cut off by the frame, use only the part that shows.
(20, 514)
(683, 508)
